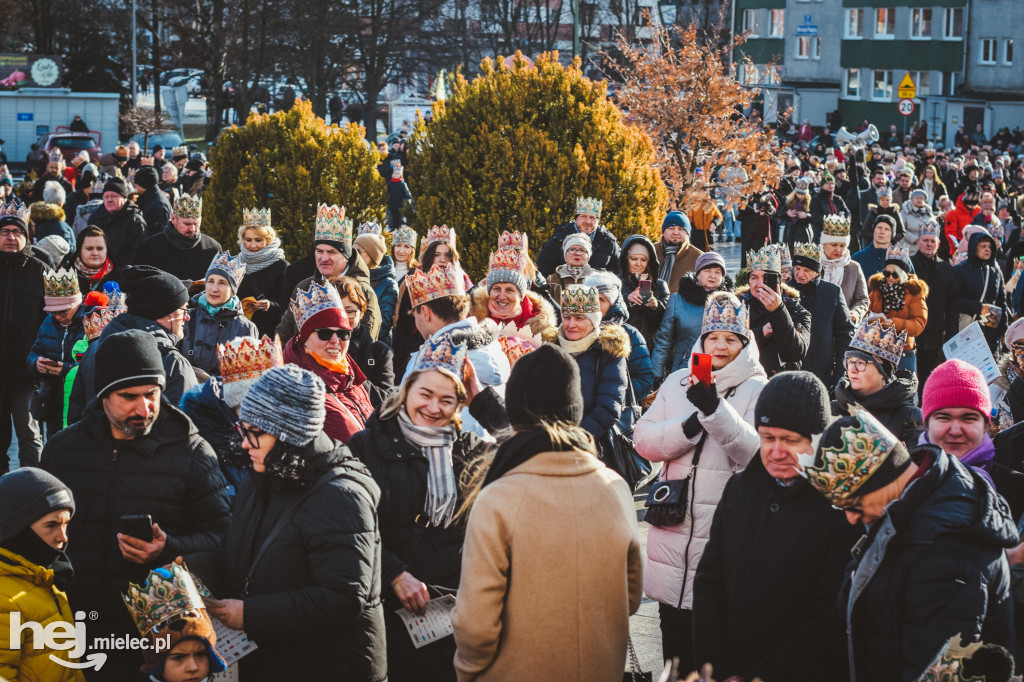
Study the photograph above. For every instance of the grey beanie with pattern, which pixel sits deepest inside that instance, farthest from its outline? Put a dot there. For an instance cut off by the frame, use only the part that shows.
(288, 403)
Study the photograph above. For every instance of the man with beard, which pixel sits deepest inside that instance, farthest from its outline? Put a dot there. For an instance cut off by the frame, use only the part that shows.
(586, 221)
(179, 247)
(54, 173)
(781, 325)
(133, 455)
(675, 254)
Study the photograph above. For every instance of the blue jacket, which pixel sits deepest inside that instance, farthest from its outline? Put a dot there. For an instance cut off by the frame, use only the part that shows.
(204, 332)
(604, 372)
(385, 286)
(681, 325)
(55, 342)
(641, 374)
(204, 405)
(49, 219)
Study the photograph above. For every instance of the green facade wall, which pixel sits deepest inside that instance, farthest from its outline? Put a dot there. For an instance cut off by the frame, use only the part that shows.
(763, 50)
(910, 55)
(881, 114)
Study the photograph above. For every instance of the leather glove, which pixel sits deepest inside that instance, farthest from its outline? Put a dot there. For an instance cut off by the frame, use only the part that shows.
(704, 398)
(692, 426)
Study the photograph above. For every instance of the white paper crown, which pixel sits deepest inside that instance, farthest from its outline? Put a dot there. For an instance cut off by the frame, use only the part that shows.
(256, 218)
(589, 206)
(331, 224)
(513, 241)
(13, 209)
(875, 338)
(442, 280)
(405, 235)
(441, 233)
(371, 228)
(313, 300)
(899, 251)
(441, 355)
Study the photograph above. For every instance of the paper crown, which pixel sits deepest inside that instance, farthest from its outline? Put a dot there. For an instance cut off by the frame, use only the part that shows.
(512, 261)
(168, 593)
(516, 341)
(55, 155)
(95, 321)
(766, 259)
(318, 297)
(725, 313)
(188, 207)
(807, 250)
(846, 468)
(14, 209)
(234, 267)
(179, 152)
(513, 241)
(899, 251)
(440, 234)
(875, 338)
(785, 259)
(589, 206)
(441, 355)
(60, 283)
(883, 192)
(246, 358)
(116, 298)
(442, 280)
(948, 665)
(256, 218)
(371, 228)
(836, 225)
(580, 300)
(331, 224)
(404, 235)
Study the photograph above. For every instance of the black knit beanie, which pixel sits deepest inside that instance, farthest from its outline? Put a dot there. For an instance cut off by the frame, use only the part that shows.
(795, 401)
(117, 186)
(544, 385)
(27, 495)
(126, 359)
(147, 178)
(151, 292)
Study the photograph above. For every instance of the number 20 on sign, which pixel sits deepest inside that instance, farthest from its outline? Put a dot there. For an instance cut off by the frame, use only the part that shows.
(906, 107)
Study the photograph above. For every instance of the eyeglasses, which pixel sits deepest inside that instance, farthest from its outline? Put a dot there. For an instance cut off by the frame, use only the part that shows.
(577, 251)
(10, 233)
(327, 334)
(855, 364)
(890, 274)
(249, 433)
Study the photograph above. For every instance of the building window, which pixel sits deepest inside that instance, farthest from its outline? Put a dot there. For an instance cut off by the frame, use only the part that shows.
(953, 23)
(855, 23)
(750, 22)
(771, 75)
(885, 22)
(778, 23)
(923, 81)
(1008, 51)
(882, 88)
(853, 83)
(808, 47)
(987, 51)
(920, 22)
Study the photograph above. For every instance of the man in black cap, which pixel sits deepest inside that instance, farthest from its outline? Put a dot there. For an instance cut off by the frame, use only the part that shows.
(121, 221)
(133, 454)
(931, 563)
(156, 210)
(158, 305)
(776, 553)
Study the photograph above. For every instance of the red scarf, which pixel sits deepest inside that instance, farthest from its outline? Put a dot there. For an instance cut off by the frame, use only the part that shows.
(97, 274)
(529, 311)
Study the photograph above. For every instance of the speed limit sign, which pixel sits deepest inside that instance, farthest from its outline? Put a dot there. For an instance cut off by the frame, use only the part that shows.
(906, 107)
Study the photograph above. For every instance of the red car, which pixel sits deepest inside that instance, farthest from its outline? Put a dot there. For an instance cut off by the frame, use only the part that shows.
(70, 144)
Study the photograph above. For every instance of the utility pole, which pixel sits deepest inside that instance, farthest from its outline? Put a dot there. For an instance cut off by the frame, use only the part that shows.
(135, 68)
(575, 28)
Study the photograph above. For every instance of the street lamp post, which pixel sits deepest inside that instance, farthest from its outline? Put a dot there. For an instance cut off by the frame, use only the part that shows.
(134, 65)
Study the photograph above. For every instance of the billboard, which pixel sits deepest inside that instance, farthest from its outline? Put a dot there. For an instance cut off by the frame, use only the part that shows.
(19, 70)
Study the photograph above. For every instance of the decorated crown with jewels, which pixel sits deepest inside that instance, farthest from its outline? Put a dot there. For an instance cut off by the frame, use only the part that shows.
(442, 280)
(785, 259)
(580, 300)
(441, 355)
(516, 341)
(371, 228)
(188, 207)
(845, 468)
(331, 224)
(168, 593)
(116, 300)
(246, 358)
(60, 283)
(233, 266)
(589, 206)
(725, 313)
(313, 300)
(875, 338)
(899, 251)
(179, 152)
(513, 241)
(948, 665)
(808, 250)
(13, 209)
(441, 233)
(767, 259)
(514, 261)
(256, 218)
(405, 235)
(55, 155)
(96, 321)
(836, 225)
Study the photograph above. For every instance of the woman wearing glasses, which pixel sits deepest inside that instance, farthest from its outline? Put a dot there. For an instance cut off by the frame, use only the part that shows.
(899, 296)
(321, 346)
(577, 250)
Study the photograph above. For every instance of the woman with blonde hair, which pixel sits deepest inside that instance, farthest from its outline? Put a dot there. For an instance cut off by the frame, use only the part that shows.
(261, 290)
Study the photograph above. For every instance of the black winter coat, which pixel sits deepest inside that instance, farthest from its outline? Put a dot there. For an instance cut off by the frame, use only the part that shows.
(313, 603)
(645, 320)
(192, 263)
(375, 360)
(269, 283)
(204, 332)
(21, 314)
(932, 566)
(156, 210)
(980, 282)
(823, 204)
(831, 330)
(215, 421)
(893, 405)
(604, 379)
(605, 254)
(775, 554)
(787, 347)
(125, 232)
(943, 318)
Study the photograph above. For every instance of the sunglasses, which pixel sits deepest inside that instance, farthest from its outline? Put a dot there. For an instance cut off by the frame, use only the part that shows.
(889, 274)
(328, 334)
(249, 433)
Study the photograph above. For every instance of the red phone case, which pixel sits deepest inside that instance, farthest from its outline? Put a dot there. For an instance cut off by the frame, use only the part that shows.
(700, 367)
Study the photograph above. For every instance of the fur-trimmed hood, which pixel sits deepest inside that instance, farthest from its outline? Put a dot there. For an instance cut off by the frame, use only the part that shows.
(42, 212)
(543, 320)
(693, 292)
(913, 285)
(476, 335)
(613, 339)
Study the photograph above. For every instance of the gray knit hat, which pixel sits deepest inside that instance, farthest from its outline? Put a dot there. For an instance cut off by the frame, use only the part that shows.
(287, 402)
(711, 259)
(27, 495)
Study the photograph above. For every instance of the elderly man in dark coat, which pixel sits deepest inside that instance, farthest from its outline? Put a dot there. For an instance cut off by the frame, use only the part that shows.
(180, 248)
(605, 254)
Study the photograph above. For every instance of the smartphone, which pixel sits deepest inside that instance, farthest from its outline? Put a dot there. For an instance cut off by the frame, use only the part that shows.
(700, 367)
(261, 297)
(138, 526)
(645, 289)
(771, 280)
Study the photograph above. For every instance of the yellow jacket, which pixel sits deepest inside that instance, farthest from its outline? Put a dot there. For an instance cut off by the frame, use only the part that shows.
(28, 588)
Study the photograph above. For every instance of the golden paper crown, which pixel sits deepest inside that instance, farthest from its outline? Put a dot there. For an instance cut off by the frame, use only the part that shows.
(441, 355)
(256, 218)
(807, 250)
(513, 261)
(13, 209)
(331, 224)
(766, 259)
(60, 283)
(589, 206)
(441, 234)
(836, 225)
(844, 469)
(313, 300)
(96, 321)
(725, 313)
(246, 358)
(405, 235)
(875, 338)
(948, 665)
(168, 593)
(517, 241)
(899, 251)
(188, 207)
(446, 280)
(179, 152)
(580, 300)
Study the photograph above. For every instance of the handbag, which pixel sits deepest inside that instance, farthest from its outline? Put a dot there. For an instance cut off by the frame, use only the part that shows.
(617, 451)
(667, 500)
(635, 673)
(965, 319)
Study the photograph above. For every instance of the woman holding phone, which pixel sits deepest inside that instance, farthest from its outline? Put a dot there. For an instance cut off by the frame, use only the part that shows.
(700, 425)
(646, 296)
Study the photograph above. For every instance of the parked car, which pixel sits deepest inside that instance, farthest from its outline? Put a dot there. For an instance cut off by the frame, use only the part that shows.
(169, 139)
(183, 72)
(69, 143)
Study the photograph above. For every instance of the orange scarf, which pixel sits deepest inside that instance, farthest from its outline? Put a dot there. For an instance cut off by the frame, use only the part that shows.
(339, 367)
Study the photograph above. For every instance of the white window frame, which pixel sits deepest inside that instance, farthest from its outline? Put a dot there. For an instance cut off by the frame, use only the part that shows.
(989, 46)
(888, 85)
(848, 24)
(813, 47)
(750, 14)
(922, 79)
(947, 23)
(916, 14)
(889, 13)
(846, 87)
(1006, 52)
(776, 29)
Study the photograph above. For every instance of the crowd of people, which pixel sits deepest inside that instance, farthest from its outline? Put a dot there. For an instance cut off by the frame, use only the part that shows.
(310, 451)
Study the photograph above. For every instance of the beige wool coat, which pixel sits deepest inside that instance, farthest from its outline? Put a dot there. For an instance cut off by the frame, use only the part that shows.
(551, 571)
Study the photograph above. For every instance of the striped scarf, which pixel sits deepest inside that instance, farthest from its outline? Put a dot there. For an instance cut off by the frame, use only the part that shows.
(437, 443)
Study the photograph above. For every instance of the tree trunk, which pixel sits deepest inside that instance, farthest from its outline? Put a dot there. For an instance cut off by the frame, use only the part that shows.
(370, 112)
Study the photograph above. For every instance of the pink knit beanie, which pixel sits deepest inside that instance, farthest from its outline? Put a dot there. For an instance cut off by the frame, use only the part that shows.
(956, 383)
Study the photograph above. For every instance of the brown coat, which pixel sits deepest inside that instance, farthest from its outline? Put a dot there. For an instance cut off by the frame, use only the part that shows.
(913, 316)
(564, 525)
(543, 320)
(686, 261)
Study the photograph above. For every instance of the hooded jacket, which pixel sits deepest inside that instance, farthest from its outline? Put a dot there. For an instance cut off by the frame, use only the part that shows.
(357, 270)
(790, 339)
(979, 282)
(125, 231)
(932, 567)
(831, 330)
(605, 255)
(673, 553)
(604, 375)
(956, 220)
(385, 288)
(893, 405)
(317, 588)
(49, 220)
(646, 320)
(204, 332)
(913, 316)
(943, 319)
(681, 325)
